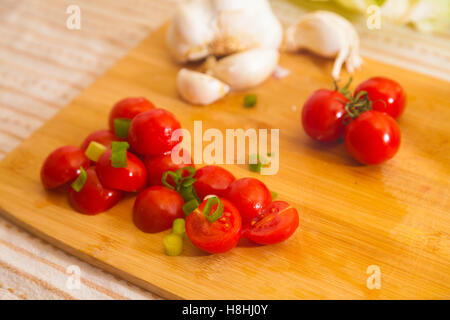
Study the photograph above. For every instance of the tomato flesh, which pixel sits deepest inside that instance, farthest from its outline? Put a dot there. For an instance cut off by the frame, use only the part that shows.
(104, 137)
(129, 108)
(157, 165)
(212, 180)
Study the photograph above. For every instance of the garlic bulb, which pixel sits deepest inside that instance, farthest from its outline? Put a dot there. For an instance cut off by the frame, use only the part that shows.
(246, 69)
(329, 35)
(199, 88)
(220, 27)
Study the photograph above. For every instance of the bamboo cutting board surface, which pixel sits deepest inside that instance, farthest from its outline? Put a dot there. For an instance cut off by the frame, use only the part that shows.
(393, 216)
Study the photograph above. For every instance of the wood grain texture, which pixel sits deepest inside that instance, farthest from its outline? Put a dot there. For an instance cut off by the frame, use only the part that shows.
(394, 216)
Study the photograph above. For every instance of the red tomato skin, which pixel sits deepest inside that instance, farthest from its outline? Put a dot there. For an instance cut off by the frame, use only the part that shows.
(104, 137)
(374, 137)
(156, 208)
(128, 108)
(277, 222)
(93, 198)
(381, 89)
(151, 132)
(212, 180)
(322, 115)
(250, 196)
(215, 237)
(62, 166)
(157, 165)
(131, 178)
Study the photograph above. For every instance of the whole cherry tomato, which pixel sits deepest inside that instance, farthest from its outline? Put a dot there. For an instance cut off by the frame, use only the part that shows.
(93, 198)
(151, 132)
(386, 95)
(212, 180)
(62, 166)
(372, 138)
(129, 108)
(131, 178)
(276, 223)
(104, 137)
(323, 115)
(250, 196)
(157, 165)
(219, 236)
(156, 208)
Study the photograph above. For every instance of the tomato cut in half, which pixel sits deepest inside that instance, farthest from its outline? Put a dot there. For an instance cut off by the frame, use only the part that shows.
(219, 236)
(276, 223)
(93, 198)
(157, 165)
(104, 137)
(212, 180)
(128, 108)
(62, 166)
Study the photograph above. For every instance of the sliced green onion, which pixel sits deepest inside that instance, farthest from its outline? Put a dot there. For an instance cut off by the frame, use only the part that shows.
(188, 182)
(78, 184)
(178, 226)
(274, 195)
(175, 179)
(94, 151)
(119, 154)
(190, 206)
(256, 162)
(207, 209)
(190, 170)
(121, 127)
(250, 100)
(173, 244)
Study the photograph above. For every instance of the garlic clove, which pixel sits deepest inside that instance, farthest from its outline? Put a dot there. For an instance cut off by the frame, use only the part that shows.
(246, 69)
(199, 88)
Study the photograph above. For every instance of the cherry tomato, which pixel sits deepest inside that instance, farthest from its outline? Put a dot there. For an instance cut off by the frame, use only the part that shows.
(212, 180)
(219, 236)
(373, 137)
(129, 108)
(386, 95)
(156, 208)
(62, 166)
(131, 178)
(322, 115)
(93, 198)
(157, 165)
(104, 137)
(276, 223)
(250, 196)
(151, 132)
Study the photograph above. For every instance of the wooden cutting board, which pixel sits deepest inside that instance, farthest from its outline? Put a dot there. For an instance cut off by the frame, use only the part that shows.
(395, 216)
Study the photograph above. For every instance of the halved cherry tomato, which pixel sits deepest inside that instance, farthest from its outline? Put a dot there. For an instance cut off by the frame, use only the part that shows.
(323, 115)
(62, 166)
(129, 108)
(386, 95)
(250, 196)
(104, 137)
(157, 165)
(156, 208)
(151, 132)
(373, 137)
(93, 198)
(131, 178)
(212, 180)
(219, 236)
(276, 223)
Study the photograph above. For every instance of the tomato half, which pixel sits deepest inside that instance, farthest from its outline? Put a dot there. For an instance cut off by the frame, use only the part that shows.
(157, 165)
(250, 196)
(373, 137)
(386, 95)
(129, 108)
(212, 180)
(156, 208)
(131, 178)
(93, 198)
(219, 236)
(104, 137)
(151, 132)
(62, 166)
(276, 223)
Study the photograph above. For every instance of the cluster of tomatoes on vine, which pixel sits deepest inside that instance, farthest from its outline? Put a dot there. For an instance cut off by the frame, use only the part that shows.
(209, 205)
(366, 119)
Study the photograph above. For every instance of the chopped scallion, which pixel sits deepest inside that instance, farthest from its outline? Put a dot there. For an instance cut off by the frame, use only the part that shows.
(208, 208)
(173, 244)
(119, 154)
(190, 206)
(78, 184)
(274, 195)
(250, 100)
(178, 226)
(121, 127)
(94, 151)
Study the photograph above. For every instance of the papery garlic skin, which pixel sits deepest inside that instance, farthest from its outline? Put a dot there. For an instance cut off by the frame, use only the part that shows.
(201, 28)
(199, 88)
(326, 34)
(246, 69)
